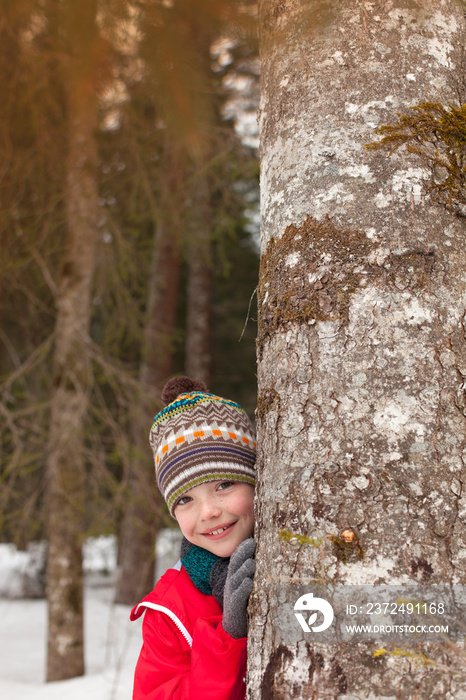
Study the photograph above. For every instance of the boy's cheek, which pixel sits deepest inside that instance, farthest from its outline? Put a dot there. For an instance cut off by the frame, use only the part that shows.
(183, 525)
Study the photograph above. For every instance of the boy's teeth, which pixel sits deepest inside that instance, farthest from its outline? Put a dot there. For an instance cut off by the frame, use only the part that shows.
(217, 532)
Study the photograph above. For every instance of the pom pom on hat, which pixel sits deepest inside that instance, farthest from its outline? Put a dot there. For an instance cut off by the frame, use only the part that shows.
(199, 437)
(181, 385)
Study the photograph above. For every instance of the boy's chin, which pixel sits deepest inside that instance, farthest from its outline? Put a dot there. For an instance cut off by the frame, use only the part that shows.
(221, 549)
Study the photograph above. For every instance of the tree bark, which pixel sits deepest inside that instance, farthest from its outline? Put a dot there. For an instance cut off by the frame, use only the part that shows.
(361, 352)
(72, 376)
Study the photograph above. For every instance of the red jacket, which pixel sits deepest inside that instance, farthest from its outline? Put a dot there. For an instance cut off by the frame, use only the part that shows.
(186, 654)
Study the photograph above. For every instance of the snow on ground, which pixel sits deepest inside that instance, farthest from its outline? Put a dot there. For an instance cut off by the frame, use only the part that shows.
(112, 642)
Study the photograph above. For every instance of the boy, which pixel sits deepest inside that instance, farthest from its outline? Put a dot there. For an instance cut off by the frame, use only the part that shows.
(195, 624)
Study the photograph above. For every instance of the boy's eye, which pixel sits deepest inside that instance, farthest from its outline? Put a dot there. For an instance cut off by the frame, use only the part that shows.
(181, 501)
(224, 485)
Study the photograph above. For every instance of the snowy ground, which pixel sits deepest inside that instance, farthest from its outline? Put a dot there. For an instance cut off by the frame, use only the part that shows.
(112, 642)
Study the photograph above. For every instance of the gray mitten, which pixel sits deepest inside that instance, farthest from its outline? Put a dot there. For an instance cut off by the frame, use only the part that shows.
(238, 588)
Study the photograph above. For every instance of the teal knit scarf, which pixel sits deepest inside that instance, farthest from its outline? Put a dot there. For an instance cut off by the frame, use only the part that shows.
(207, 571)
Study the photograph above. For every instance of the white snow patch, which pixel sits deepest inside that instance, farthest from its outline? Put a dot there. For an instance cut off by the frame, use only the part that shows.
(15, 567)
(112, 642)
(100, 554)
(411, 77)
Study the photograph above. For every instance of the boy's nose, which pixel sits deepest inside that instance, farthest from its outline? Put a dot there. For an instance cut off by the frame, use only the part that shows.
(209, 509)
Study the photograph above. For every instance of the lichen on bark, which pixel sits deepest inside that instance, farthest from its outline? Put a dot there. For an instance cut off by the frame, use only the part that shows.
(269, 400)
(308, 274)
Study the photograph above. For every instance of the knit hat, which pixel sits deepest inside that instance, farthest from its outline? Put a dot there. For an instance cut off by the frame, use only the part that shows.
(199, 437)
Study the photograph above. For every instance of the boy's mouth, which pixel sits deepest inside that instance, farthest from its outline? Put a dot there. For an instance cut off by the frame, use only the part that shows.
(218, 532)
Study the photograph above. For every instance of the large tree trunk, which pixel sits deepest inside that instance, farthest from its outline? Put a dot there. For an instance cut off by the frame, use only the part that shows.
(72, 371)
(361, 347)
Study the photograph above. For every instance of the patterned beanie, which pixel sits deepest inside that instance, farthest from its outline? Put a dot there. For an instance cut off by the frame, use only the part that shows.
(199, 437)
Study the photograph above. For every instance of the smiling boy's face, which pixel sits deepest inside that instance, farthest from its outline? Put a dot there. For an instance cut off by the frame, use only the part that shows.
(217, 515)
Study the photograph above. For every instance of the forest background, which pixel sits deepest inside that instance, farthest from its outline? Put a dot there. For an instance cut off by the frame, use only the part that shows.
(129, 253)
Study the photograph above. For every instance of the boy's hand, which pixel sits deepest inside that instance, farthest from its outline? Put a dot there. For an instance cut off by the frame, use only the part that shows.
(238, 588)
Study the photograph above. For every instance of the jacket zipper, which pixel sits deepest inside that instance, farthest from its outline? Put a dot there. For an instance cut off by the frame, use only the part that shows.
(172, 616)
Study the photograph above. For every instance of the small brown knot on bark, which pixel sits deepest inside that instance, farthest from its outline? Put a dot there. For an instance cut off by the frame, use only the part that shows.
(348, 535)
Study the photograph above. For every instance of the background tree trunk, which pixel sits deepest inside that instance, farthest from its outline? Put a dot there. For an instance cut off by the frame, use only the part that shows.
(199, 290)
(361, 353)
(72, 377)
(144, 510)
(143, 514)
